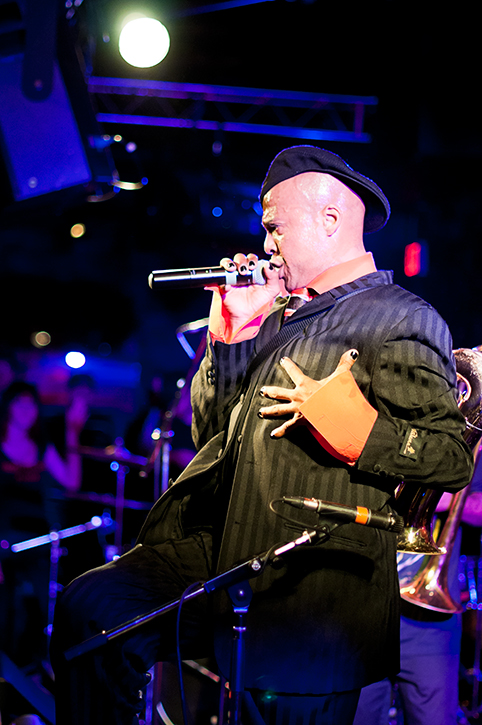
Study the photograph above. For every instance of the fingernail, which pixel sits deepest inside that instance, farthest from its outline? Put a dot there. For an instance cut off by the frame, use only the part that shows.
(251, 265)
(243, 268)
(262, 391)
(354, 354)
(260, 415)
(282, 361)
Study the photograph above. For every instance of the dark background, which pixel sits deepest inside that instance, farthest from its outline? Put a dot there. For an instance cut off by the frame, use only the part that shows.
(91, 294)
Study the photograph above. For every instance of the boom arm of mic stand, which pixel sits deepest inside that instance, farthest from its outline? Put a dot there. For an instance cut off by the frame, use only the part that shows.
(166, 423)
(247, 570)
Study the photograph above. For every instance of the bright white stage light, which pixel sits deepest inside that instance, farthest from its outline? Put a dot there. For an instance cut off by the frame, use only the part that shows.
(143, 42)
(75, 359)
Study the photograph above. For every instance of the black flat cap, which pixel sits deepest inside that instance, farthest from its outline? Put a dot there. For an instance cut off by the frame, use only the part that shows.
(301, 159)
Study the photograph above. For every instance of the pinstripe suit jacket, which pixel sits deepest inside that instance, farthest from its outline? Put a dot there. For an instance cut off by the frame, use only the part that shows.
(328, 621)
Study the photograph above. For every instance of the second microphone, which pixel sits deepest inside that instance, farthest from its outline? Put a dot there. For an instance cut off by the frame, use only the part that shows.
(354, 514)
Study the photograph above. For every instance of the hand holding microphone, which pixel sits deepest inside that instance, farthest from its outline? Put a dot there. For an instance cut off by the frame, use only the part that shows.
(238, 272)
(242, 303)
(242, 286)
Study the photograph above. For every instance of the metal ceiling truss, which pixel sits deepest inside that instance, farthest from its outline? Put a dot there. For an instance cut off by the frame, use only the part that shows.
(304, 116)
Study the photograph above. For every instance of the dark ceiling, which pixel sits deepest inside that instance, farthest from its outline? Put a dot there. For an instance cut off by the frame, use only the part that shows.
(425, 149)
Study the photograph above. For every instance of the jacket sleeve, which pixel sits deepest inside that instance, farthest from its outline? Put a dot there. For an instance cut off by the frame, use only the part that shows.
(216, 387)
(418, 434)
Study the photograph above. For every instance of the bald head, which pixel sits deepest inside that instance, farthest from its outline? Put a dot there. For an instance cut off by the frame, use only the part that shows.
(324, 193)
(313, 222)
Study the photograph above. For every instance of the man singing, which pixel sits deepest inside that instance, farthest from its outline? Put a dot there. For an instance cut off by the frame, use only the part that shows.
(337, 391)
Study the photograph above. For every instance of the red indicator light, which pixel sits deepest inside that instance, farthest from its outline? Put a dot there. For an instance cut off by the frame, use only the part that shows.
(412, 262)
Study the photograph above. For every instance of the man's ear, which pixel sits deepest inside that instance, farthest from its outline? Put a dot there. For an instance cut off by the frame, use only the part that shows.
(331, 217)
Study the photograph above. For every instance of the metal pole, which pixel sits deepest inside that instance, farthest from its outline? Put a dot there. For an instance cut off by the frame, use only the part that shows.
(119, 505)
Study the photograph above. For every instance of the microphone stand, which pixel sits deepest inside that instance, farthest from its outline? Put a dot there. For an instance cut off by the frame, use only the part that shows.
(53, 538)
(235, 581)
(160, 457)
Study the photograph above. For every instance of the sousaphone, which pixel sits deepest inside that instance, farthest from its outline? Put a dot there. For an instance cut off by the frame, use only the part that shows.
(430, 588)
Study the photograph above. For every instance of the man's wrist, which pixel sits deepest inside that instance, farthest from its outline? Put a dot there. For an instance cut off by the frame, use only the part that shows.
(225, 328)
(340, 416)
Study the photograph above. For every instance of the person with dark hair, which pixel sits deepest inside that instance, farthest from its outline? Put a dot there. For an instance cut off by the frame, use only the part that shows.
(33, 477)
(21, 437)
(97, 431)
(337, 393)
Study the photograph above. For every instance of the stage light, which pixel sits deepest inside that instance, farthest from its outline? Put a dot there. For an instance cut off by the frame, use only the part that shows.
(75, 359)
(143, 42)
(77, 231)
(40, 339)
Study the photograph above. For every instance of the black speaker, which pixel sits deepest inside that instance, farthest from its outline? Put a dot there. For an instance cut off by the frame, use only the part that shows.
(41, 142)
(48, 130)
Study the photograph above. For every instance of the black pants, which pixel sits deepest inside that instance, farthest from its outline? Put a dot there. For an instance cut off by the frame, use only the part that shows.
(103, 686)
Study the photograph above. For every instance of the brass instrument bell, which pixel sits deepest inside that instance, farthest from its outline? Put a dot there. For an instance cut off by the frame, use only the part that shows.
(430, 588)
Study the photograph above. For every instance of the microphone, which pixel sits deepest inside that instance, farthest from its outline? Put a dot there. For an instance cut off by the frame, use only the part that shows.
(355, 514)
(202, 276)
